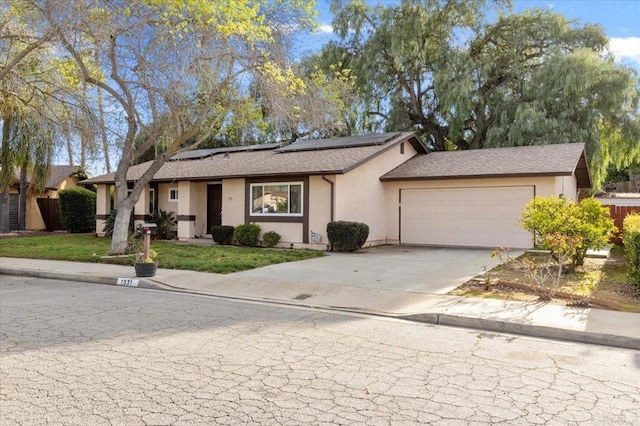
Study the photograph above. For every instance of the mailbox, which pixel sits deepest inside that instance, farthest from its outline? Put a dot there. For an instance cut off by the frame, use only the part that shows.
(148, 228)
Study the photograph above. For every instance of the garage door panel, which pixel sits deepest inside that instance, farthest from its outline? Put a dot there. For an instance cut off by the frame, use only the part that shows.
(474, 217)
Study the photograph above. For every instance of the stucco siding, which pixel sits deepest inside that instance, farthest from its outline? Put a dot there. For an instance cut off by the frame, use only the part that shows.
(233, 204)
(320, 206)
(362, 197)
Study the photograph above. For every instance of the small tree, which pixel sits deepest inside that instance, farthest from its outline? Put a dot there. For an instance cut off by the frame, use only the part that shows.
(588, 220)
(631, 238)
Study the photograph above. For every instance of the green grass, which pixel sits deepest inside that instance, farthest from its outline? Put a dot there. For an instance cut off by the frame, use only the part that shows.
(89, 248)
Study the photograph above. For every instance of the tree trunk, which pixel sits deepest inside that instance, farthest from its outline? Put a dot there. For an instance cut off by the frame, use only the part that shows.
(103, 132)
(119, 240)
(7, 166)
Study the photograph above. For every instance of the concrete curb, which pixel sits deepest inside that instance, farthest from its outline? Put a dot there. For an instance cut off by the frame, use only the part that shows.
(530, 330)
(449, 320)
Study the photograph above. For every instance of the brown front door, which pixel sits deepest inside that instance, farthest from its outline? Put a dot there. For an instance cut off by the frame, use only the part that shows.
(214, 206)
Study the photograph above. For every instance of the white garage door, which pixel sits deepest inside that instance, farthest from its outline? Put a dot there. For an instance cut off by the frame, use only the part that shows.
(472, 217)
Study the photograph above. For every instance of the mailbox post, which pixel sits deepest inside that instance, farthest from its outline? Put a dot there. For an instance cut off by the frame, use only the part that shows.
(147, 230)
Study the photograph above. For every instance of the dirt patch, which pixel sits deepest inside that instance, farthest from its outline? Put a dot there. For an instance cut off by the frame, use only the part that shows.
(600, 283)
(22, 234)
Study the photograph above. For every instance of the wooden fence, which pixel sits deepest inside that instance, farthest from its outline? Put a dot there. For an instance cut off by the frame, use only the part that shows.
(50, 213)
(618, 213)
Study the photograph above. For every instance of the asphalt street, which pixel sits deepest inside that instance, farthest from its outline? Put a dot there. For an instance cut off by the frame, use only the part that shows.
(72, 353)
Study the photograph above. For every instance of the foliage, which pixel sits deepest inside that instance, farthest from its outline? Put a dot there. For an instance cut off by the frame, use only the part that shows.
(588, 220)
(526, 78)
(271, 238)
(545, 275)
(247, 234)
(216, 259)
(631, 239)
(222, 234)
(166, 224)
(78, 209)
(347, 236)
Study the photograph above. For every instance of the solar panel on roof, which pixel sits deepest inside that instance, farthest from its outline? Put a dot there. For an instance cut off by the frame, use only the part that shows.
(197, 154)
(344, 142)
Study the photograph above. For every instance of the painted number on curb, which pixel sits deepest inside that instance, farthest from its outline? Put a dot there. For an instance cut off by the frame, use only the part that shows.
(128, 282)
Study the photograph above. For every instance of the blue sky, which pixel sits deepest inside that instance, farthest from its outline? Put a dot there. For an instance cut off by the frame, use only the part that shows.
(619, 18)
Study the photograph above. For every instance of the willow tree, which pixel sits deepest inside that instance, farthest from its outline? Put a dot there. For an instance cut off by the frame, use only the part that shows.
(175, 69)
(462, 81)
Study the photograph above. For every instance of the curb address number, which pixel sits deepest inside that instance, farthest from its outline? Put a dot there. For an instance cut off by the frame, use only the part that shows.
(128, 282)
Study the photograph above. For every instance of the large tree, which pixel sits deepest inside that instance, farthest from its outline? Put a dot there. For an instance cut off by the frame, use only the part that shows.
(462, 81)
(174, 69)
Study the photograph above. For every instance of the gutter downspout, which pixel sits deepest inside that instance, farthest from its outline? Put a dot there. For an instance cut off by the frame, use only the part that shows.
(324, 178)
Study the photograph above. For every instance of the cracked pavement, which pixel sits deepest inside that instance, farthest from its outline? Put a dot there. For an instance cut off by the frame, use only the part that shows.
(80, 354)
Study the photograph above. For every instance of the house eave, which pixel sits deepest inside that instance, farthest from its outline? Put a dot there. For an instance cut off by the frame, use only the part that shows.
(475, 176)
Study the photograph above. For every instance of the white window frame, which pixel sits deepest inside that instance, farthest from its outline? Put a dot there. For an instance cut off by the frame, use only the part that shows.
(171, 193)
(274, 214)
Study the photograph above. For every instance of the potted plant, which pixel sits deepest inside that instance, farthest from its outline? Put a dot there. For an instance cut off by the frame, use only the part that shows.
(146, 266)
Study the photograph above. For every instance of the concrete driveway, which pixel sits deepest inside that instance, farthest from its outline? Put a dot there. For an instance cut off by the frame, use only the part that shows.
(432, 270)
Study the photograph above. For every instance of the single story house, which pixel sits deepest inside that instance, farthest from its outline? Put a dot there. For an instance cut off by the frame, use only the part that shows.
(42, 208)
(389, 181)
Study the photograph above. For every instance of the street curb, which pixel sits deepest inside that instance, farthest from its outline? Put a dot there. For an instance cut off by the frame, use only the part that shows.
(530, 330)
(449, 320)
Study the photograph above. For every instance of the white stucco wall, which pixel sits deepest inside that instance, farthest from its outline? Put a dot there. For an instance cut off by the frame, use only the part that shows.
(362, 197)
(233, 203)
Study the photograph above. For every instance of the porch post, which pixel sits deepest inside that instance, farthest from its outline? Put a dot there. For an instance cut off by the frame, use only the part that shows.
(103, 207)
(186, 218)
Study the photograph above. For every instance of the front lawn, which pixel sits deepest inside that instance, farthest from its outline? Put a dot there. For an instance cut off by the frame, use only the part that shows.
(603, 282)
(89, 248)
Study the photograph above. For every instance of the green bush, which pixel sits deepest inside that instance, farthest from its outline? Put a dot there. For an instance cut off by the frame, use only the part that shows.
(589, 220)
(78, 209)
(166, 224)
(631, 240)
(247, 234)
(347, 236)
(270, 238)
(222, 234)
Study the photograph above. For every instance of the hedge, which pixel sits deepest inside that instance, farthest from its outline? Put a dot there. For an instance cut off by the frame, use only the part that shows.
(347, 236)
(78, 209)
(222, 234)
(270, 239)
(631, 239)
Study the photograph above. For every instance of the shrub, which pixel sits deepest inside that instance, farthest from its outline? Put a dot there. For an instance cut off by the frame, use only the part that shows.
(222, 234)
(110, 222)
(589, 220)
(247, 234)
(78, 209)
(631, 240)
(347, 236)
(166, 224)
(270, 238)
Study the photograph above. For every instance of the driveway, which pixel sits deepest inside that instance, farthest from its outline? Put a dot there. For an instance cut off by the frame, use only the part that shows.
(432, 270)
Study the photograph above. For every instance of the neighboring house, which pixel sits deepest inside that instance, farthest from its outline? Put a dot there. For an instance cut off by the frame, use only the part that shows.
(42, 209)
(388, 181)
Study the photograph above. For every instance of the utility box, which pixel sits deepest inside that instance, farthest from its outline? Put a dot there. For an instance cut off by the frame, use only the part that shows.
(148, 228)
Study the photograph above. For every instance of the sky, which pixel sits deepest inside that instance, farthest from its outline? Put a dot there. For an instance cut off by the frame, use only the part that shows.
(620, 20)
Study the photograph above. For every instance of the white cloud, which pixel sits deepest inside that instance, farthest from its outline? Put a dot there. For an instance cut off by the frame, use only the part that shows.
(625, 48)
(325, 28)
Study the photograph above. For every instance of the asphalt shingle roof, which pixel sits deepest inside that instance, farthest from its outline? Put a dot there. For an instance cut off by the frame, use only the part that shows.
(539, 160)
(264, 163)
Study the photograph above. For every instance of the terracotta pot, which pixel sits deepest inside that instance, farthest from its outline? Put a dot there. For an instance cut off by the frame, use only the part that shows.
(144, 269)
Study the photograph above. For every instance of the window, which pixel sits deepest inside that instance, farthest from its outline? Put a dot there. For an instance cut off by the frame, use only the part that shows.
(152, 200)
(402, 148)
(173, 194)
(276, 199)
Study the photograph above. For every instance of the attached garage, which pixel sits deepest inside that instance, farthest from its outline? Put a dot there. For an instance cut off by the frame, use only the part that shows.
(468, 217)
(475, 198)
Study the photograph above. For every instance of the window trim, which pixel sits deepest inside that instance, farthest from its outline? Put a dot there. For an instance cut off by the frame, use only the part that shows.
(289, 184)
(177, 197)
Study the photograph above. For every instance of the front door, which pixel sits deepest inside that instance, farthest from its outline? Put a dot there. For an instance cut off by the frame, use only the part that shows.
(214, 206)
